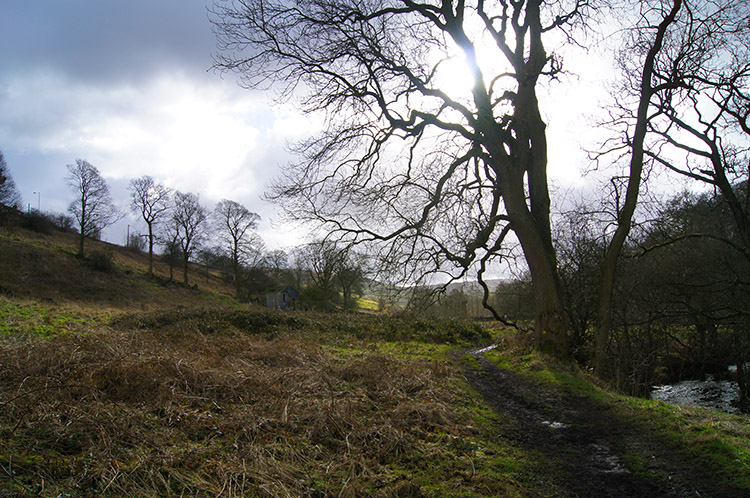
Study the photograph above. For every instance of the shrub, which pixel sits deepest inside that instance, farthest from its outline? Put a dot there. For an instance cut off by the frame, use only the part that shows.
(101, 261)
(37, 221)
(40, 222)
(62, 222)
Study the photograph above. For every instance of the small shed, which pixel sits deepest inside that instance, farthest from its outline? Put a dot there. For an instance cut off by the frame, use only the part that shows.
(282, 299)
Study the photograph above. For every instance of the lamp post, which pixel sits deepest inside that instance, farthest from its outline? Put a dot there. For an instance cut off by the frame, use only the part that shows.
(38, 201)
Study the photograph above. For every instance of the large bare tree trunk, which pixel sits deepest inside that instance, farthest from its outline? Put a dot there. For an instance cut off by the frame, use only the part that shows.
(534, 235)
(550, 326)
(150, 250)
(81, 239)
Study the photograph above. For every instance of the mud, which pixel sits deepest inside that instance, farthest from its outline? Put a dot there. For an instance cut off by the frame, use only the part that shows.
(582, 443)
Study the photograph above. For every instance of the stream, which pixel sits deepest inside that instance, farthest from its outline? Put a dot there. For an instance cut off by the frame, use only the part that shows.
(710, 393)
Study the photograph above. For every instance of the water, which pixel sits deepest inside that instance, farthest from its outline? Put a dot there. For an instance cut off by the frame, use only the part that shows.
(484, 350)
(710, 393)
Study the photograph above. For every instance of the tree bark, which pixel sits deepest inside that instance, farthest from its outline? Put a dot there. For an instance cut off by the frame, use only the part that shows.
(236, 270)
(82, 231)
(150, 250)
(81, 238)
(550, 326)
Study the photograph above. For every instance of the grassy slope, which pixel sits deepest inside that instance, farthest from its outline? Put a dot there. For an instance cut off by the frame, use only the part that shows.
(46, 290)
(117, 385)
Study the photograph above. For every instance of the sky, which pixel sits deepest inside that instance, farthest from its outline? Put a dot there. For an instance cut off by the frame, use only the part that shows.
(128, 86)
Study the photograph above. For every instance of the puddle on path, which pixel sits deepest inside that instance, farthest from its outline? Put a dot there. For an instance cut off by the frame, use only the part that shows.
(484, 350)
(555, 425)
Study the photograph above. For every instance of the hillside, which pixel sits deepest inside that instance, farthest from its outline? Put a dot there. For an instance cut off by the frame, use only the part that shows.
(44, 267)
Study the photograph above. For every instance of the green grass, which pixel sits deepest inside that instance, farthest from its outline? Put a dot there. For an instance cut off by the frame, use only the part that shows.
(367, 304)
(718, 440)
(28, 318)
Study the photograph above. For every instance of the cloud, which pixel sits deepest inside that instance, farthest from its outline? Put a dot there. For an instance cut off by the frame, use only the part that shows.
(128, 87)
(103, 42)
(215, 139)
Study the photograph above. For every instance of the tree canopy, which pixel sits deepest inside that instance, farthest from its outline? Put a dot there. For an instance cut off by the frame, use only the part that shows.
(93, 208)
(436, 180)
(436, 177)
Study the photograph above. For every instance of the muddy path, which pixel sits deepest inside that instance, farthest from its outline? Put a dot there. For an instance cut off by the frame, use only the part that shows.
(586, 448)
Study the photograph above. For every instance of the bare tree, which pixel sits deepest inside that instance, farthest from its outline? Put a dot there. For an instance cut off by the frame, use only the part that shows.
(648, 44)
(435, 178)
(691, 89)
(701, 129)
(277, 261)
(93, 208)
(189, 218)
(152, 201)
(236, 227)
(9, 195)
(321, 261)
(169, 238)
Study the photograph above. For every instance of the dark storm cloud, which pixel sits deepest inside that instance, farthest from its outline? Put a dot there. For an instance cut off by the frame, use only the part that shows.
(105, 40)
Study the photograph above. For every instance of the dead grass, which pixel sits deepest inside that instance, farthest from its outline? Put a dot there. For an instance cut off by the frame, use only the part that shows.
(147, 412)
(117, 385)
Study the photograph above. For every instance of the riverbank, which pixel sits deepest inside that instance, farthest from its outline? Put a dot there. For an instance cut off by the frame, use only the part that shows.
(597, 443)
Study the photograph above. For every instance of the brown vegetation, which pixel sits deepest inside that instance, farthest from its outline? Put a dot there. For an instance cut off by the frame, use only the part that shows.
(118, 384)
(174, 412)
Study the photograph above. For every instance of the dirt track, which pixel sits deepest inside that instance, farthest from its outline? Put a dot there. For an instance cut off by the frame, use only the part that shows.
(583, 442)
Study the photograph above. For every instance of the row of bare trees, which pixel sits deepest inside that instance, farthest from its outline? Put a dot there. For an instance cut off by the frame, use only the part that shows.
(328, 274)
(181, 223)
(174, 219)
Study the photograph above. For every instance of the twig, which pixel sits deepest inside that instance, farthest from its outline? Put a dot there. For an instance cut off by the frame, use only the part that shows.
(9, 473)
